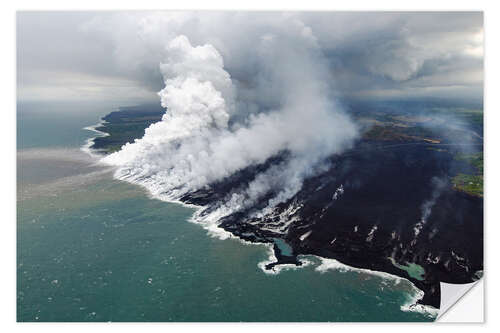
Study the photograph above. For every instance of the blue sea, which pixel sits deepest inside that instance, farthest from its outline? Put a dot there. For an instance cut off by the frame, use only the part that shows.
(92, 248)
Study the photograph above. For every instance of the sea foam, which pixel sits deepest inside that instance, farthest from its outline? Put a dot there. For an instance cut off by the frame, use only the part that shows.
(416, 294)
(90, 141)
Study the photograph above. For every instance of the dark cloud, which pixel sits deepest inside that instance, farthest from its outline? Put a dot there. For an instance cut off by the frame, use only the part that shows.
(107, 55)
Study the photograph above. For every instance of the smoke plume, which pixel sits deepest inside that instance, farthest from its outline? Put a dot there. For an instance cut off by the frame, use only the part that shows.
(208, 133)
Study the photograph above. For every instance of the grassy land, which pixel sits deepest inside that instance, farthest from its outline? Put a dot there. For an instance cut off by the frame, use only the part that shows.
(399, 133)
(474, 159)
(469, 116)
(470, 183)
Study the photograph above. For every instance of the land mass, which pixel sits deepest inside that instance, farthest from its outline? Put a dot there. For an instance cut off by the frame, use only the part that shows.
(407, 199)
(126, 125)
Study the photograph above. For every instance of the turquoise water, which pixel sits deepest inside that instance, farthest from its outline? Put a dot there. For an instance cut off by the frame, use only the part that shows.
(414, 270)
(285, 249)
(91, 248)
(57, 124)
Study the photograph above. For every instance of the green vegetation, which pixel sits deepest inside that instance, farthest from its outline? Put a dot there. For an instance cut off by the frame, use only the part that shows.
(474, 159)
(469, 116)
(470, 183)
(399, 133)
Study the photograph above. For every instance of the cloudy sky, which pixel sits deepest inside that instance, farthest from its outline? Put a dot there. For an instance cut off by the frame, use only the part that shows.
(116, 56)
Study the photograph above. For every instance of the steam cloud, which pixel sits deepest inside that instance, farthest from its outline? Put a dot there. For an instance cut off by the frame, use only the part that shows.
(438, 185)
(209, 132)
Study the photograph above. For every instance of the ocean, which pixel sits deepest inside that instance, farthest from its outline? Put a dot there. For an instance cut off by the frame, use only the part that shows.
(92, 248)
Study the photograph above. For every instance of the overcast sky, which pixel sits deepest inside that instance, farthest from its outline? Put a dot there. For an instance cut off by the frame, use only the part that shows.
(116, 56)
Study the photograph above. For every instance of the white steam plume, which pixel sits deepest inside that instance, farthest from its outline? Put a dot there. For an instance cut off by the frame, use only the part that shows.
(438, 185)
(194, 144)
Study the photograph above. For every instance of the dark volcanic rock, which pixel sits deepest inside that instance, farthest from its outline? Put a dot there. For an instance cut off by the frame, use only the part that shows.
(126, 125)
(381, 206)
(365, 210)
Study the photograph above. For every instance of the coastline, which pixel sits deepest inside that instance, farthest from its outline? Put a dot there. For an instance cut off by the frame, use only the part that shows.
(215, 230)
(87, 147)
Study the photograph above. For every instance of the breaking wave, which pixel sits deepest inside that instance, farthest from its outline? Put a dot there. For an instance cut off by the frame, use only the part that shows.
(411, 305)
(87, 147)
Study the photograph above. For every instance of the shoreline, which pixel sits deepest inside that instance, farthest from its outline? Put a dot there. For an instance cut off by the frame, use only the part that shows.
(87, 146)
(215, 231)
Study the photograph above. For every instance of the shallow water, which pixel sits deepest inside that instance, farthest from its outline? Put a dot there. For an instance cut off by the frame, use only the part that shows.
(91, 248)
(285, 249)
(414, 270)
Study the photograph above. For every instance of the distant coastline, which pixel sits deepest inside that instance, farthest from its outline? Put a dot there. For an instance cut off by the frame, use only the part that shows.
(119, 127)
